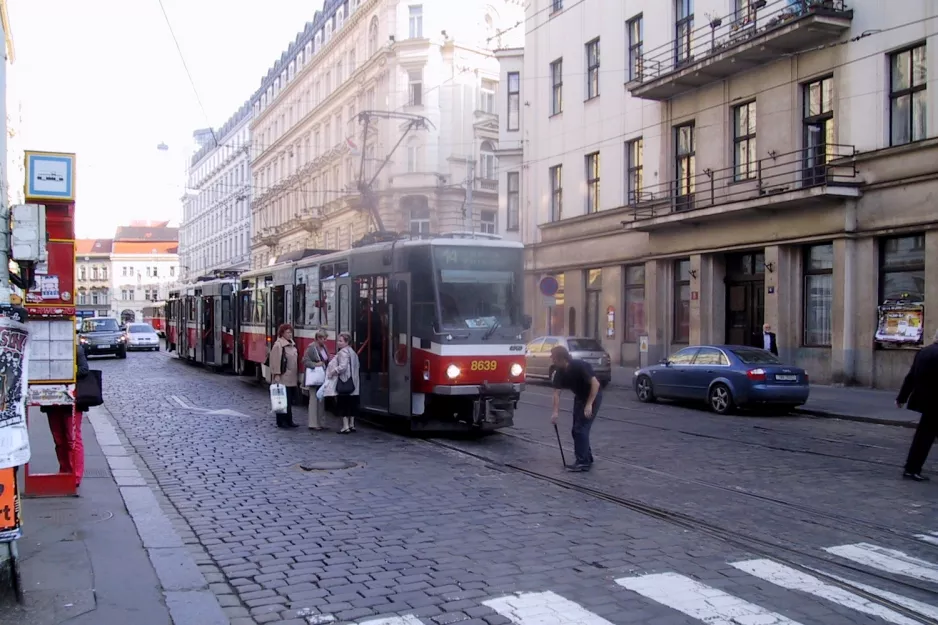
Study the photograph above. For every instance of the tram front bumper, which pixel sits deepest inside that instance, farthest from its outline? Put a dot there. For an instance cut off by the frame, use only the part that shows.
(493, 405)
(505, 389)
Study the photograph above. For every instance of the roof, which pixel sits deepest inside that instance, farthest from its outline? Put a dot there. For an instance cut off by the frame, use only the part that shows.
(87, 247)
(147, 231)
(146, 247)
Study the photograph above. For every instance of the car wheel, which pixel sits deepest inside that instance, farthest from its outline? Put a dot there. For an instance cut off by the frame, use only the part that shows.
(720, 399)
(644, 390)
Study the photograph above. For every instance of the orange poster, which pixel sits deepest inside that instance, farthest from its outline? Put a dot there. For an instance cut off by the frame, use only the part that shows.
(8, 520)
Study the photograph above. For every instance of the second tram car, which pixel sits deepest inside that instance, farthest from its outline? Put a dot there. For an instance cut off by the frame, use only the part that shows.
(155, 315)
(437, 324)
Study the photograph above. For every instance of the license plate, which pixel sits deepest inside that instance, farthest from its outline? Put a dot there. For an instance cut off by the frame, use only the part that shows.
(787, 378)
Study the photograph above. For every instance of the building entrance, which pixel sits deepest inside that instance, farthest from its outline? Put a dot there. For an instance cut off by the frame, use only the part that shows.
(745, 298)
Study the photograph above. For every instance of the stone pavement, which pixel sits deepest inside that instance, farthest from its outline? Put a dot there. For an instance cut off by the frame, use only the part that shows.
(81, 558)
(851, 403)
(421, 534)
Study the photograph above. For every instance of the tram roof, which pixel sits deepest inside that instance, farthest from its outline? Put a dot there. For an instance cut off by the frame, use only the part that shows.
(379, 246)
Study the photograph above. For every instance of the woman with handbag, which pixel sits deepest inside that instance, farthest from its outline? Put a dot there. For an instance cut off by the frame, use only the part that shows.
(342, 382)
(315, 360)
(284, 370)
(65, 424)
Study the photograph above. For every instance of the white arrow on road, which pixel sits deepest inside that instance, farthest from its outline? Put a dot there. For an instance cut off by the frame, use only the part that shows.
(222, 412)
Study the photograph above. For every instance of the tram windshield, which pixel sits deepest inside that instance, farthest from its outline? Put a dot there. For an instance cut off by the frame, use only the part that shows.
(478, 287)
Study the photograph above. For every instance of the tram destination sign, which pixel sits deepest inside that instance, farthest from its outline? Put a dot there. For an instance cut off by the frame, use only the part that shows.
(478, 258)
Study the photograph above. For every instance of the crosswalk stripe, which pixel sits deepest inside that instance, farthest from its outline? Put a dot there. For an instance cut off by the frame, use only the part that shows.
(701, 602)
(930, 537)
(916, 606)
(793, 579)
(543, 608)
(888, 560)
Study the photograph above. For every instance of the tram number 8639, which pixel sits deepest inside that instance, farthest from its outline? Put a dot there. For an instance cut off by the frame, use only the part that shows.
(483, 365)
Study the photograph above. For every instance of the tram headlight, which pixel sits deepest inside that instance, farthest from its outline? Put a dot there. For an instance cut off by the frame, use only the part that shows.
(452, 372)
(516, 370)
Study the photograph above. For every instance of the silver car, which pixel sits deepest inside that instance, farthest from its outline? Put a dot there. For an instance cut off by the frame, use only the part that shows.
(580, 347)
(142, 336)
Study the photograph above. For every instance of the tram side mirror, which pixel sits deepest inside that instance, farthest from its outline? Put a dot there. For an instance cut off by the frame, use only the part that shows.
(527, 321)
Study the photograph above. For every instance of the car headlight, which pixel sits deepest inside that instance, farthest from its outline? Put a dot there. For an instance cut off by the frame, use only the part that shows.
(452, 372)
(516, 370)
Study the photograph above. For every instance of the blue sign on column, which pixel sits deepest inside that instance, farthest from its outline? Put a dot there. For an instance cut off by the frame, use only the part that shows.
(549, 286)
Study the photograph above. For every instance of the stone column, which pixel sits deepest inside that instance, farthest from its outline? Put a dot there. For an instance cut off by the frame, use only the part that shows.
(574, 299)
(612, 296)
(708, 311)
(783, 296)
(657, 308)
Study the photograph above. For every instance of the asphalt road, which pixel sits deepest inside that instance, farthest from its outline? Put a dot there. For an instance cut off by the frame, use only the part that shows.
(687, 517)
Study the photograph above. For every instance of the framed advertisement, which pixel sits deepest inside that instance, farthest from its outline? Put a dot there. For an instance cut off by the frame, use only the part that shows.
(900, 324)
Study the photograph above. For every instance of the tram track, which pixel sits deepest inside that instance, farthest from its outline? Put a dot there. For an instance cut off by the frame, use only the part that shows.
(750, 543)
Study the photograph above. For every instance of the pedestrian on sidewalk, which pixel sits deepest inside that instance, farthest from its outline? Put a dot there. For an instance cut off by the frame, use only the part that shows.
(919, 393)
(65, 425)
(316, 356)
(343, 382)
(769, 341)
(577, 376)
(284, 361)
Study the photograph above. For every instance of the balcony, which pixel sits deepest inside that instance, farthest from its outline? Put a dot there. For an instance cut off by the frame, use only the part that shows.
(310, 218)
(726, 46)
(486, 184)
(781, 181)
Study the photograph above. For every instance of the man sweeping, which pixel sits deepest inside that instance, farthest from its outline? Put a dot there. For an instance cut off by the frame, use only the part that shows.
(577, 376)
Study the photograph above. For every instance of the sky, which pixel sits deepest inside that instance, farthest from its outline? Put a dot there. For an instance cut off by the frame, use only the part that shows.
(103, 79)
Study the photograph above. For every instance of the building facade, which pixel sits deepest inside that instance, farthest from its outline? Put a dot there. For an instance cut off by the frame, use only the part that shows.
(144, 264)
(428, 77)
(215, 230)
(765, 162)
(93, 277)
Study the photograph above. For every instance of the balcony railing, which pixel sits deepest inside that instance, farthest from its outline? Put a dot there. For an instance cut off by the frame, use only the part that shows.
(759, 33)
(817, 167)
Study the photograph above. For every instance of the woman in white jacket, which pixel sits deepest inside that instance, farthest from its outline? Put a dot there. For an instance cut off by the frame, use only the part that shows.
(343, 382)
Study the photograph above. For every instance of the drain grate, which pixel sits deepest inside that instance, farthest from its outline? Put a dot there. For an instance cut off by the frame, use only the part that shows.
(327, 465)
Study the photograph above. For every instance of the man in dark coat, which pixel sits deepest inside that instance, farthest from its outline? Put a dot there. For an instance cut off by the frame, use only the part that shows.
(919, 393)
(769, 343)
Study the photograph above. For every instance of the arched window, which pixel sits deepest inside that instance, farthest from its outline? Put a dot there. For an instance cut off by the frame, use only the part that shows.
(373, 36)
(487, 161)
(328, 30)
(318, 42)
(339, 18)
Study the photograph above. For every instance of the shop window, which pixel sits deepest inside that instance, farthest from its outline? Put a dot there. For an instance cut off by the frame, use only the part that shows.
(556, 317)
(634, 303)
(902, 268)
(818, 294)
(594, 291)
(681, 329)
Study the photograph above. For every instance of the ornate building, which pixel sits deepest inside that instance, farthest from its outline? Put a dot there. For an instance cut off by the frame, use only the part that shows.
(144, 263)
(216, 214)
(425, 78)
(93, 269)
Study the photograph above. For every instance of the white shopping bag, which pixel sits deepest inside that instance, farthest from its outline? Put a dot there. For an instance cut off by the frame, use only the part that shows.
(315, 376)
(278, 398)
(321, 393)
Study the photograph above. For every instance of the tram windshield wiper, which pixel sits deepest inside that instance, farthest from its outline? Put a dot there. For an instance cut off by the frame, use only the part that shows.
(491, 330)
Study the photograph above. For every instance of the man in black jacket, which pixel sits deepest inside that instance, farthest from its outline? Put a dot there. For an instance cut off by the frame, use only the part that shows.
(769, 342)
(577, 376)
(920, 392)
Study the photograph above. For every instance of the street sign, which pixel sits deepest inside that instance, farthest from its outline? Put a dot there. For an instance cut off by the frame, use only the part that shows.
(643, 344)
(549, 286)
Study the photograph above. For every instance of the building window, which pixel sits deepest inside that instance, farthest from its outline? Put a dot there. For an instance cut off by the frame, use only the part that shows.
(514, 100)
(683, 31)
(907, 96)
(685, 165)
(818, 129)
(902, 268)
(372, 36)
(489, 223)
(83, 274)
(487, 97)
(681, 301)
(487, 162)
(556, 87)
(416, 21)
(94, 298)
(556, 5)
(514, 201)
(634, 157)
(556, 192)
(417, 209)
(744, 142)
(592, 182)
(104, 273)
(415, 88)
(592, 69)
(634, 303)
(636, 34)
(413, 156)
(818, 294)
(594, 291)
(745, 12)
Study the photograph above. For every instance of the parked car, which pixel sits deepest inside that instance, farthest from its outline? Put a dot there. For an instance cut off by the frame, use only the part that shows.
(724, 376)
(142, 336)
(537, 358)
(103, 335)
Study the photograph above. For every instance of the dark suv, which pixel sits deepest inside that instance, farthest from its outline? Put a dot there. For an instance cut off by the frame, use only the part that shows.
(103, 335)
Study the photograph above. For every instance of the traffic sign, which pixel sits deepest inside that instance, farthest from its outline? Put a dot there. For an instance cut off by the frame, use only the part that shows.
(549, 286)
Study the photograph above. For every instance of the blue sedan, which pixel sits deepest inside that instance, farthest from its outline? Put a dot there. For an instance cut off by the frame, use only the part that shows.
(726, 377)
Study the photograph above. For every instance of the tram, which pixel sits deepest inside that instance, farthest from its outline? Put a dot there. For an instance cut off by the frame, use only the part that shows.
(437, 324)
(155, 315)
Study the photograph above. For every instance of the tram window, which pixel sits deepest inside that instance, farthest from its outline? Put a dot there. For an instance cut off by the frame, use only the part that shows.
(424, 300)
(341, 269)
(371, 317)
(299, 305)
(344, 311)
(309, 278)
(260, 309)
(246, 308)
(327, 309)
(226, 312)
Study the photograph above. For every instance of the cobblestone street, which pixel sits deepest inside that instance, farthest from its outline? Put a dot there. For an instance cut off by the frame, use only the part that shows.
(687, 517)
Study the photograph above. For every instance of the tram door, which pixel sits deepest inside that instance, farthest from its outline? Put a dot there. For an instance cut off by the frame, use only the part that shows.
(225, 313)
(275, 310)
(399, 351)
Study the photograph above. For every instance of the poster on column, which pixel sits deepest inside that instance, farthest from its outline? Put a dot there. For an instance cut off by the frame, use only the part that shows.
(14, 439)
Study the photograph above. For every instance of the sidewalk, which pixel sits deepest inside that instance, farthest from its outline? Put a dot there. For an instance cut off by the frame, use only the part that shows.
(850, 403)
(82, 560)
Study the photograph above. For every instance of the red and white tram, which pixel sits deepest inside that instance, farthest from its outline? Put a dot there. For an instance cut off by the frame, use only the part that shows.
(437, 324)
(155, 315)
